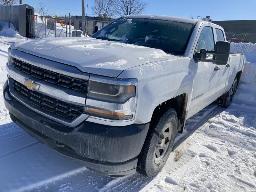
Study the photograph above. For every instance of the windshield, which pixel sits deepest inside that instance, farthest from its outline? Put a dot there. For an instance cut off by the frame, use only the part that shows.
(169, 36)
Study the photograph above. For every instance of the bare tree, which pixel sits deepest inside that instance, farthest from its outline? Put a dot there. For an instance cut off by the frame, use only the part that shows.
(103, 8)
(7, 2)
(128, 7)
(41, 9)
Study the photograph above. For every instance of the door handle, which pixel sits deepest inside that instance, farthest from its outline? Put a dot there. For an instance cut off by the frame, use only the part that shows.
(227, 65)
(216, 68)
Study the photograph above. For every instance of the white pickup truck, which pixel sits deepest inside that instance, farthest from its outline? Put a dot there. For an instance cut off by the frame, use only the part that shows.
(117, 100)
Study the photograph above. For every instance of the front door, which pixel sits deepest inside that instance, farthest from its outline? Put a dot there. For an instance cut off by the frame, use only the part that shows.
(205, 85)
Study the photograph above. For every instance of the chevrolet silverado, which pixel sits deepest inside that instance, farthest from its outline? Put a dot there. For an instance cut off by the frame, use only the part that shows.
(117, 100)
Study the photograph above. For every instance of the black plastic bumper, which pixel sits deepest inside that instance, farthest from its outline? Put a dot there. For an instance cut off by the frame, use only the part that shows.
(107, 149)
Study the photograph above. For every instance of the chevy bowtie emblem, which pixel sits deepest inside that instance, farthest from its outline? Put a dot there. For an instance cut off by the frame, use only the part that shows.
(31, 85)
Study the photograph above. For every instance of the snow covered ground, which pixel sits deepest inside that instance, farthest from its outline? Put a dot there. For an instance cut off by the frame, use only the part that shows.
(219, 155)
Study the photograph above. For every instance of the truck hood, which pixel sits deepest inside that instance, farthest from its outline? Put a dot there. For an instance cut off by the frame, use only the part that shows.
(92, 55)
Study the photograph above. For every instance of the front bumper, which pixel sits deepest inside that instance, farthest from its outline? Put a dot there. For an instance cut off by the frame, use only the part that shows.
(107, 149)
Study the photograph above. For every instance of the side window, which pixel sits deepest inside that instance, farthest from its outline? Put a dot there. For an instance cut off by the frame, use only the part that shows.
(220, 35)
(206, 40)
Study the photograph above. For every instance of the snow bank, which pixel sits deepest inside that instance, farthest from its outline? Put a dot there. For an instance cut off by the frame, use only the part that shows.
(249, 74)
(246, 94)
(7, 31)
(249, 50)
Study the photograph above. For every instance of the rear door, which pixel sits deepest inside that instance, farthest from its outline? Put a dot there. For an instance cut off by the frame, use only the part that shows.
(223, 71)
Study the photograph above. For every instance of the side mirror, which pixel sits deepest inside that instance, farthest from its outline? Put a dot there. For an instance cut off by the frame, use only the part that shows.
(201, 56)
(222, 50)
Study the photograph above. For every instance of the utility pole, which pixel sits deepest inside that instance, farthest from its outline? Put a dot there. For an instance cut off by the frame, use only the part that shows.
(83, 17)
(66, 23)
(45, 27)
(55, 26)
(69, 23)
(20, 2)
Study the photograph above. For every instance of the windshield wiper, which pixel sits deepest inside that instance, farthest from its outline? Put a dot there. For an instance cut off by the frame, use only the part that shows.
(107, 39)
(102, 38)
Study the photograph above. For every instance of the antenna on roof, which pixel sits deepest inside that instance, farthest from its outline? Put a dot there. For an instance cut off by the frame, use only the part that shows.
(207, 18)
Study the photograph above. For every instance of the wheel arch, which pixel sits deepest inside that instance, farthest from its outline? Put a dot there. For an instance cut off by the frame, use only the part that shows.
(179, 104)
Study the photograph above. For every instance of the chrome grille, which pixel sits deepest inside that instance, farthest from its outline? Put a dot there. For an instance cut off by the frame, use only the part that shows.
(48, 105)
(57, 79)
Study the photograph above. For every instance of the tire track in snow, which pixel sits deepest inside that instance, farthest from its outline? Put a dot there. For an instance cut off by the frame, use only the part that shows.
(34, 186)
(196, 122)
(242, 182)
(17, 150)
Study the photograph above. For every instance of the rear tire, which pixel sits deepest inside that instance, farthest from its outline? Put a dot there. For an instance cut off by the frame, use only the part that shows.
(235, 86)
(227, 98)
(159, 144)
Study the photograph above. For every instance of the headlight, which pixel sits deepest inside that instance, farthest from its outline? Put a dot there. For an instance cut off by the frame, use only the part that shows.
(111, 90)
(111, 99)
(107, 114)
(10, 60)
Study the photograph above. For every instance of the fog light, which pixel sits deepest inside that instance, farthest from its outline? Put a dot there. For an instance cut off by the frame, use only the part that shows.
(7, 96)
(106, 114)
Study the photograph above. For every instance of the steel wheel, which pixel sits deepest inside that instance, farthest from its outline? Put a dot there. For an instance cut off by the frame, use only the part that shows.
(159, 144)
(162, 146)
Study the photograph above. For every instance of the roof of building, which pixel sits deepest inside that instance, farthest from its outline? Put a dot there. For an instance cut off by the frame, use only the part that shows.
(18, 5)
(93, 18)
(239, 30)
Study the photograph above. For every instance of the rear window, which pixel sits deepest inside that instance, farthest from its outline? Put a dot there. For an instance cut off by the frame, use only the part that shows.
(220, 35)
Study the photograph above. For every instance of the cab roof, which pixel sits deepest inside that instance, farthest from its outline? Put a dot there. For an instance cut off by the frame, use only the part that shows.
(166, 18)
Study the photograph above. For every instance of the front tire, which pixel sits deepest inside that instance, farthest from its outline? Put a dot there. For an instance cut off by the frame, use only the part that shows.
(159, 144)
